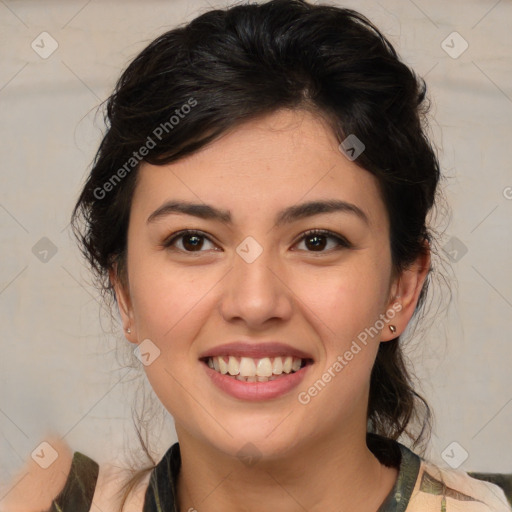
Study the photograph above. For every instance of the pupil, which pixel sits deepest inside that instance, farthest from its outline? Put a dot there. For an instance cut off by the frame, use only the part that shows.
(193, 237)
(317, 237)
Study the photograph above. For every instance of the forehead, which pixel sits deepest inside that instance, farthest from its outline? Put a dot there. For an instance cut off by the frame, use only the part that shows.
(261, 167)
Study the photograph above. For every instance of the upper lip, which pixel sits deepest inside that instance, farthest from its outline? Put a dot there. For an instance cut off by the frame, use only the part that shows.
(255, 350)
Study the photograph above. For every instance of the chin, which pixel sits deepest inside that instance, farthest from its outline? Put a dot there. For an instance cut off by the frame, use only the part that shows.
(256, 441)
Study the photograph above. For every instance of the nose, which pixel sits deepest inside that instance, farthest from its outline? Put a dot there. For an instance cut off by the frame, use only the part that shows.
(257, 293)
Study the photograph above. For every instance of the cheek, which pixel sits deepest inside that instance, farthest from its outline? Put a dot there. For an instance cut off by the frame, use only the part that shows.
(343, 300)
(169, 311)
(343, 307)
(164, 299)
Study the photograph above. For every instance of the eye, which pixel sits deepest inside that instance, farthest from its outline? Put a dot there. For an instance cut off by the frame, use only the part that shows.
(315, 238)
(192, 240)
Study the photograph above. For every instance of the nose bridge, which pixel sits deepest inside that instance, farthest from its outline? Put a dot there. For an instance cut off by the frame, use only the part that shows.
(255, 289)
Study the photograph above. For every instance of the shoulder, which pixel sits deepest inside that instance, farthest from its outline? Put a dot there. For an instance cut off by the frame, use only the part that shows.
(40, 480)
(439, 488)
(73, 481)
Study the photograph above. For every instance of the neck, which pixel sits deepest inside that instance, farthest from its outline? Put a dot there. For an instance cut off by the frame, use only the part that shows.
(326, 474)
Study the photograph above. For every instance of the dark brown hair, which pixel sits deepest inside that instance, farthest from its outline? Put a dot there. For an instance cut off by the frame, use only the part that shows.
(196, 82)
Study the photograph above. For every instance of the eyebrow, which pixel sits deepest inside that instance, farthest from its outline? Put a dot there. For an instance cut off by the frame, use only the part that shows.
(286, 216)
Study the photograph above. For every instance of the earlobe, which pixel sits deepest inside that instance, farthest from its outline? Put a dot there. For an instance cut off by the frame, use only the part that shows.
(124, 304)
(405, 294)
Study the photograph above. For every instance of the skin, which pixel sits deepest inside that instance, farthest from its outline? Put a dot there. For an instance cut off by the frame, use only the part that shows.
(312, 457)
(34, 487)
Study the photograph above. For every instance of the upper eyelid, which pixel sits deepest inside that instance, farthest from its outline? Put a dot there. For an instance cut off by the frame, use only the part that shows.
(184, 232)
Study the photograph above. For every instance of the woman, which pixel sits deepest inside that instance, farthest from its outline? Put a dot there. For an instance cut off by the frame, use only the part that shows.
(258, 209)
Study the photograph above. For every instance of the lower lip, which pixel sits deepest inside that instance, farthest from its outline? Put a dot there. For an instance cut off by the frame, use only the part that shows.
(256, 391)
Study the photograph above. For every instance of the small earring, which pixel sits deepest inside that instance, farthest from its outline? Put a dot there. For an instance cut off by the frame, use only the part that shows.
(128, 330)
(392, 328)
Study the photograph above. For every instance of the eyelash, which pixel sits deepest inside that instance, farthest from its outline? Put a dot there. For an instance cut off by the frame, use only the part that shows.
(341, 241)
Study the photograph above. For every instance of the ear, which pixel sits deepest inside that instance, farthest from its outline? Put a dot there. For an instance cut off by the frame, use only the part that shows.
(124, 304)
(404, 295)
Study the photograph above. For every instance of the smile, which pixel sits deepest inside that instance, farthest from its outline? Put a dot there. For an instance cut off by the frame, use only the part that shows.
(248, 369)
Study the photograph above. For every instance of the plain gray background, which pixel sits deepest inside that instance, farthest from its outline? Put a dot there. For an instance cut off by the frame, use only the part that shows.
(58, 368)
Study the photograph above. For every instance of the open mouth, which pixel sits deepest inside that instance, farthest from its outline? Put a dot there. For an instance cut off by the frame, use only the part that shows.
(248, 369)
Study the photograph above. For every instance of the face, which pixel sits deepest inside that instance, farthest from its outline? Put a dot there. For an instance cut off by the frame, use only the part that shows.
(252, 287)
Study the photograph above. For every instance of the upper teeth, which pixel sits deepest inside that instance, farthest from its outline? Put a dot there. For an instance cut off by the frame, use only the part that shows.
(249, 367)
